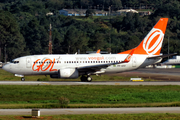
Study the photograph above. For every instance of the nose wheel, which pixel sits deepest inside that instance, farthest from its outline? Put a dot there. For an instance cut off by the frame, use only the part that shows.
(22, 79)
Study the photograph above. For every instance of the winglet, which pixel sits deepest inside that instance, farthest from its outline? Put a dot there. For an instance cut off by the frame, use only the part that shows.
(98, 51)
(128, 58)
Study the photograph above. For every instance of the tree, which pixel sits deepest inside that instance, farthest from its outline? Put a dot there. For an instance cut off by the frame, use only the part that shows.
(36, 37)
(10, 37)
(57, 39)
(89, 13)
(97, 41)
(75, 39)
(116, 4)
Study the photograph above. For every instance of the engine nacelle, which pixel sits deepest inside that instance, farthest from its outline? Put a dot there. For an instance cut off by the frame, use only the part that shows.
(66, 73)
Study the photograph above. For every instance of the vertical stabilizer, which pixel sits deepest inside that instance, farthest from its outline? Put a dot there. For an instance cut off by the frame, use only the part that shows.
(152, 43)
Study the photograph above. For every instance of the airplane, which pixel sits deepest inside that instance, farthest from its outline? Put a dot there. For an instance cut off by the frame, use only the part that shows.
(173, 61)
(71, 66)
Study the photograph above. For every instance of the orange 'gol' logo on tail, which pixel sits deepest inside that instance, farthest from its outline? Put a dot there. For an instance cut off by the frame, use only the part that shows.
(153, 41)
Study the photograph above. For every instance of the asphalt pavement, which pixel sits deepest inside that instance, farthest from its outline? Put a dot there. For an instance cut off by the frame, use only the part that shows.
(91, 111)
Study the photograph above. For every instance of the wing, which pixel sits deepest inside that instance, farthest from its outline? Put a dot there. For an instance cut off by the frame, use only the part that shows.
(94, 68)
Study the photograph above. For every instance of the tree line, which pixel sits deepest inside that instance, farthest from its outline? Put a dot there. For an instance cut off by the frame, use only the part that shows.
(24, 27)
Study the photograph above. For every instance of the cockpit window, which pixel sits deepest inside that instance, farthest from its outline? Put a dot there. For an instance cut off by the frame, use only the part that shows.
(15, 62)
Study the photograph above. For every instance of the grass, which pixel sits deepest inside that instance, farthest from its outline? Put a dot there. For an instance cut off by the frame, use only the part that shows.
(29, 96)
(144, 116)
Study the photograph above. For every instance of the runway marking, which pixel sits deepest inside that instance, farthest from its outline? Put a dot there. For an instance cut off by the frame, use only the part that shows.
(46, 83)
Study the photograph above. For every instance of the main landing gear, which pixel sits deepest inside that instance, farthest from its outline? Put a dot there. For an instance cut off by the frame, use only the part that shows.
(86, 78)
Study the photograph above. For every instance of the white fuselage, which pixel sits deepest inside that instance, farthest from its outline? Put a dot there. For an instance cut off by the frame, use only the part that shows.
(50, 64)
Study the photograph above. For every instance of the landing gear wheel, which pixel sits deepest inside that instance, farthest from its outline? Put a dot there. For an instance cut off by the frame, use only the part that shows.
(89, 78)
(83, 78)
(22, 79)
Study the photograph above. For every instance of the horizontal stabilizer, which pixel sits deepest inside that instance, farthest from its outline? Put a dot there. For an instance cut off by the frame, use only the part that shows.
(162, 56)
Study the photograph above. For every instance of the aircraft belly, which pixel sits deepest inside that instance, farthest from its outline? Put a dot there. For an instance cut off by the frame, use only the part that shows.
(123, 67)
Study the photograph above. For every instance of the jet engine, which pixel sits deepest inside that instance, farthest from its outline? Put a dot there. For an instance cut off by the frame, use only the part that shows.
(69, 73)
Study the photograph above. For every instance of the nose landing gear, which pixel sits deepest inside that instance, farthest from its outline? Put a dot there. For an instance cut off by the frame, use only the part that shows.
(22, 76)
(22, 79)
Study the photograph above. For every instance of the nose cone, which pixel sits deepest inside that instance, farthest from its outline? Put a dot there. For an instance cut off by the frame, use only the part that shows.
(6, 67)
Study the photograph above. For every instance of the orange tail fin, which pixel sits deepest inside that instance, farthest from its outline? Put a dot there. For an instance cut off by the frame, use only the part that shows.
(152, 43)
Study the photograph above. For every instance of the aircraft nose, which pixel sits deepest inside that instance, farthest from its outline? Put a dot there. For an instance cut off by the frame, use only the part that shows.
(6, 67)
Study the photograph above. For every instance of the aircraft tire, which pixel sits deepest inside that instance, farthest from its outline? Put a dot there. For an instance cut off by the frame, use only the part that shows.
(22, 79)
(89, 78)
(83, 78)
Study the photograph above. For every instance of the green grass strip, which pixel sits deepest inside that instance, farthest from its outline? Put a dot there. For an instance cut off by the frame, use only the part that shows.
(56, 105)
(144, 116)
(89, 95)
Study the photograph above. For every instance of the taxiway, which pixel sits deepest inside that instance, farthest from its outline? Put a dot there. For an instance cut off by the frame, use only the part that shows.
(92, 111)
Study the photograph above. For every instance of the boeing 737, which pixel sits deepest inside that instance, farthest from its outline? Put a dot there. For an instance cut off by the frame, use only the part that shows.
(74, 65)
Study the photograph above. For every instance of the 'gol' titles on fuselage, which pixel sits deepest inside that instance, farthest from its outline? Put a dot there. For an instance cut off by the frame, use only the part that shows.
(47, 64)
